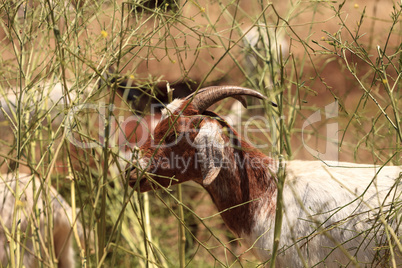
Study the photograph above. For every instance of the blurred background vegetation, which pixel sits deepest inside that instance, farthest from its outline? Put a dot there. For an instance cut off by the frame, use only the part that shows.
(65, 62)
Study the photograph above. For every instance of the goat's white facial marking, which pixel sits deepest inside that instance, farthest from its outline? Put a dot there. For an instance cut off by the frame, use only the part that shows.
(171, 108)
(210, 147)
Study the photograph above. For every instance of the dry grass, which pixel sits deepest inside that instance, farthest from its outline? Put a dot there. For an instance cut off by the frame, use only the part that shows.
(308, 55)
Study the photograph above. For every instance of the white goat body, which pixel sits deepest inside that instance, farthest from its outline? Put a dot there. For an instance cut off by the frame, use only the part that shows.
(32, 228)
(46, 97)
(329, 209)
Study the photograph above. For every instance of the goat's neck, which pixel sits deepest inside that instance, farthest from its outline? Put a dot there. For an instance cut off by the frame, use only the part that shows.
(244, 188)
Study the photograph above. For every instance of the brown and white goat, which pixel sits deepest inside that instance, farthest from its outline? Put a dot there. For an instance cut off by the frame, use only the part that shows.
(334, 213)
(31, 214)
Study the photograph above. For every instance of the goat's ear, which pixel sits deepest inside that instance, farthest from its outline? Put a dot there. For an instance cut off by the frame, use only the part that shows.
(209, 145)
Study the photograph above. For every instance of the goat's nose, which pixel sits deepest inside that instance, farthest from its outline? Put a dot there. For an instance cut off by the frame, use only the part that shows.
(131, 167)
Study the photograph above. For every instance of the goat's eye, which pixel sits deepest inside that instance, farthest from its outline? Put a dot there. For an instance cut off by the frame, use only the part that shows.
(171, 137)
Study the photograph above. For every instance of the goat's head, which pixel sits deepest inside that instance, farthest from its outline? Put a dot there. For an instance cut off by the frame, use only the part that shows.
(188, 143)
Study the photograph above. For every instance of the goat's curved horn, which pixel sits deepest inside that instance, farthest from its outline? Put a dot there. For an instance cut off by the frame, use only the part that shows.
(207, 96)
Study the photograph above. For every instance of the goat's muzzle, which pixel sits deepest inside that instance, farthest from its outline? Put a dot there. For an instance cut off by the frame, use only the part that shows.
(131, 174)
(135, 173)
